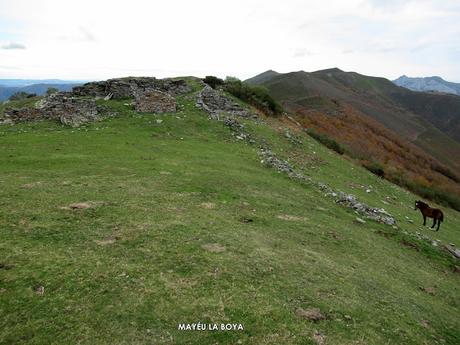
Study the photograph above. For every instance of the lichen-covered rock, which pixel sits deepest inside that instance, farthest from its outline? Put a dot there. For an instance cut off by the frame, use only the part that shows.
(154, 101)
(217, 104)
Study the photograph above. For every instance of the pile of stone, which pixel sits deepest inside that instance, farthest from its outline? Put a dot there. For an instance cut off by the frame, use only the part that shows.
(295, 140)
(376, 214)
(62, 106)
(120, 88)
(238, 130)
(269, 159)
(21, 115)
(154, 101)
(216, 104)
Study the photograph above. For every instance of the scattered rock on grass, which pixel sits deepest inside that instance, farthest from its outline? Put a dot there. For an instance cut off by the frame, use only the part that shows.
(359, 220)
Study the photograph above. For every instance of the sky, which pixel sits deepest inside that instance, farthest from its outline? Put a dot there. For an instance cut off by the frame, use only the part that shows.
(99, 39)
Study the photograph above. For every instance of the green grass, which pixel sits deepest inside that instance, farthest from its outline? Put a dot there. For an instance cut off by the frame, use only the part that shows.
(132, 267)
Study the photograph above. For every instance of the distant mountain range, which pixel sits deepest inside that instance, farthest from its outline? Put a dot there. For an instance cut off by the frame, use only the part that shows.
(38, 86)
(428, 84)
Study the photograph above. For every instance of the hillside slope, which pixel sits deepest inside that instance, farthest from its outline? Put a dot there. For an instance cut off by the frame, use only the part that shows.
(385, 127)
(179, 222)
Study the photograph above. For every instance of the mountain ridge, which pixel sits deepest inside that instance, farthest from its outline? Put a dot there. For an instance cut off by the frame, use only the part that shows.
(428, 84)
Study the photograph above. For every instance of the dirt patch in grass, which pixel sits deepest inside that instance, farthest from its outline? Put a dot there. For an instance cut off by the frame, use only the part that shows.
(107, 240)
(311, 314)
(411, 245)
(291, 218)
(31, 185)
(214, 247)
(429, 290)
(319, 338)
(82, 205)
(208, 205)
(384, 233)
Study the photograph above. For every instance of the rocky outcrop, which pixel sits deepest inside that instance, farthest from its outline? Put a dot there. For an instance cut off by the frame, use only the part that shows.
(154, 101)
(216, 104)
(128, 87)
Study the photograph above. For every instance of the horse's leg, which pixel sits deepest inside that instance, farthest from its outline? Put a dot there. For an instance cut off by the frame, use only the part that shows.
(439, 223)
(424, 220)
(434, 223)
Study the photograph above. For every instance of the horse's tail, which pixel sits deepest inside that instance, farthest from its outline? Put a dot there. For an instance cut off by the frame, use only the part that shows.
(441, 219)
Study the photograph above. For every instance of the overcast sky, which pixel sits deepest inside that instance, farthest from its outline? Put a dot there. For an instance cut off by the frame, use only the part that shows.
(97, 39)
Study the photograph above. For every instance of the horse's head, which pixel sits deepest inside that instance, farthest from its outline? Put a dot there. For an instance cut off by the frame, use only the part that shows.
(419, 205)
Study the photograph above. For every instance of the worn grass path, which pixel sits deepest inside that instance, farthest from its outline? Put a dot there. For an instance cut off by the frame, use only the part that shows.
(185, 225)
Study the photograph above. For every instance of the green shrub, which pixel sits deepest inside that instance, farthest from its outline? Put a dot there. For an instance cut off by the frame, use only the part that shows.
(21, 95)
(375, 168)
(326, 141)
(435, 194)
(51, 90)
(432, 193)
(445, 171)
(257, 96)
(213, 81)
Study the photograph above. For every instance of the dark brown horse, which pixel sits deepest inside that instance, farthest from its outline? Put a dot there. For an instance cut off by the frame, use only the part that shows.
(429, 212)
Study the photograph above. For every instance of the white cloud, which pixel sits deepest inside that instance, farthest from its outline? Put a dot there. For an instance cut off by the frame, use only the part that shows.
(100, 39)
(13, 45)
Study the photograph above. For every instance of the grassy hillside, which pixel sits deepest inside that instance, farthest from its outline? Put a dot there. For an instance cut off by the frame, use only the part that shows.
(179, 222)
